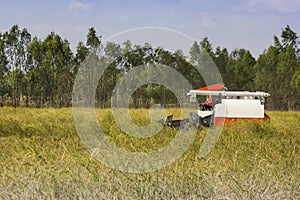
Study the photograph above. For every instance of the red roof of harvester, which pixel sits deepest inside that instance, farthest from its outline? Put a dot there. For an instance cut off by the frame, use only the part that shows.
(213, 87)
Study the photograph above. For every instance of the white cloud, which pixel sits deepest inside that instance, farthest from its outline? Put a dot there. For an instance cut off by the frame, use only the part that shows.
(274, 6)
(76, 5)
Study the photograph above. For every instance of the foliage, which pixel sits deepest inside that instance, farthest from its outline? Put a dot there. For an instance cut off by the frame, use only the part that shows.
(276, 72)
(47, 69)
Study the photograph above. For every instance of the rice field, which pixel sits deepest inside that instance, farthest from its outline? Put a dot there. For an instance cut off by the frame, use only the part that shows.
(42, 157)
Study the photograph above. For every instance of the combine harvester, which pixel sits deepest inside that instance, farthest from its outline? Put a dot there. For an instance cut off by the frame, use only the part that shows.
(223, 107)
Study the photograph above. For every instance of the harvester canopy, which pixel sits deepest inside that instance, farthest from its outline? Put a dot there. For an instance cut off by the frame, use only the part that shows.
(215, 87)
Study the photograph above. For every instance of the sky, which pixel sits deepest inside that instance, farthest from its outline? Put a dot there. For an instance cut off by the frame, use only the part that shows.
(249, 24)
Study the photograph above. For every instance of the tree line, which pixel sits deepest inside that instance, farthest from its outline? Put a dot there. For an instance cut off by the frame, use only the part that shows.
(41, 73)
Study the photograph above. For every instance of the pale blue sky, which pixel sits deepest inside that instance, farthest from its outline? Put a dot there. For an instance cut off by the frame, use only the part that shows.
(249, 24)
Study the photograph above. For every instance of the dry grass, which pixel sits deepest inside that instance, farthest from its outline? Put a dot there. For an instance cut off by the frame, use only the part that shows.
(42, 157)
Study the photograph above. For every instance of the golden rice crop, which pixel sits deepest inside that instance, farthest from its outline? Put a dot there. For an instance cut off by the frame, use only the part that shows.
(42, 157)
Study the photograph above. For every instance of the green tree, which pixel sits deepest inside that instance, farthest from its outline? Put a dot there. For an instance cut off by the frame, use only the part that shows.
(194, 52)
(290, 38)
(296, 80)
(15, 83)
(276, 71)
(265, 79)
(81, 53)
(51, 65)
(295, 85)
(51, 46)
(109, 78)
(221, 58)
(91, 66)
(36, 70)
(4, 90)
(16, 52)
(240, 71)
(288, 64)
(65, 74)
(93, 41)
(206, 46)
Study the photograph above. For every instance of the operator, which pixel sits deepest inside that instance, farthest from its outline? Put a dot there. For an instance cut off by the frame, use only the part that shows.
(207, 105)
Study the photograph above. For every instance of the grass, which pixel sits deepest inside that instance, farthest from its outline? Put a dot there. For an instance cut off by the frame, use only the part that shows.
(42, 157)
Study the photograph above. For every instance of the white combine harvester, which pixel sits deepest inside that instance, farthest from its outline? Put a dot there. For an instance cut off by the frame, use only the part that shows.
(222, 106)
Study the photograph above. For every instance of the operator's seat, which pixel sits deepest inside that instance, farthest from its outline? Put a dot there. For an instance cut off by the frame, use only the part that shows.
(207, 105)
